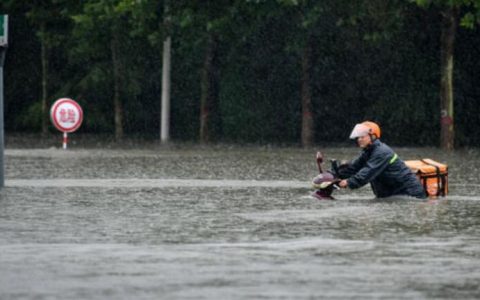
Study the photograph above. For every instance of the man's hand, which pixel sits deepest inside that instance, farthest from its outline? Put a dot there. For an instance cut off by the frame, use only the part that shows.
(343, 183)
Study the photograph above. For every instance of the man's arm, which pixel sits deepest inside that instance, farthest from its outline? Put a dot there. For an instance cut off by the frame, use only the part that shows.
(349, 169)
(374, 167)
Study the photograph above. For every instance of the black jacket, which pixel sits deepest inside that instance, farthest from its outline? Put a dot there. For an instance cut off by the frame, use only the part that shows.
(385, 171)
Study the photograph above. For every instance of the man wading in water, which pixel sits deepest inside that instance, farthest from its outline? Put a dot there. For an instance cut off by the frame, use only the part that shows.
(378, 165)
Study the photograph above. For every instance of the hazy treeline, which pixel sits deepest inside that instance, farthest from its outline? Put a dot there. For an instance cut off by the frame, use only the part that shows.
(254, 71)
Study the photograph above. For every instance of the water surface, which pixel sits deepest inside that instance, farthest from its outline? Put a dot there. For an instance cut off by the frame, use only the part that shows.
(228, 223)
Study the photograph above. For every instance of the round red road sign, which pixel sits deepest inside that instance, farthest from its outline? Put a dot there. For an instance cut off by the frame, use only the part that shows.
(66, 115)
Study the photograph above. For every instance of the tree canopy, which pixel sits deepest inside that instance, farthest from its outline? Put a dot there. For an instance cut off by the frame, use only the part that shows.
(262, 66)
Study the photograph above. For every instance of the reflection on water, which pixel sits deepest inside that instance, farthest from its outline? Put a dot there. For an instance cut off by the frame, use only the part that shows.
(227, 224)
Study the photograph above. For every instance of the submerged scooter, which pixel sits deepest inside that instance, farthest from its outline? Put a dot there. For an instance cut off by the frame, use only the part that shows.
(325, 182)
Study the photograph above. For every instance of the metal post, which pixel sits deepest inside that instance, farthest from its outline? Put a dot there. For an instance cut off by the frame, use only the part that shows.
(165, 114)
(165, 127)
(2, 145)
(3, 51)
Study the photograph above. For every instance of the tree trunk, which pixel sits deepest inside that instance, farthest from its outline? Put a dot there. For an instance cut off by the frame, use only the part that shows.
(44, 59)
(449, 27)
(209, 112)
(307, 117)
(117, 81)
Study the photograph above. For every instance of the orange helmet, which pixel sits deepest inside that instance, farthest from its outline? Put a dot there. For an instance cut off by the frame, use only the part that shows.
(373, 128)
(365, 128)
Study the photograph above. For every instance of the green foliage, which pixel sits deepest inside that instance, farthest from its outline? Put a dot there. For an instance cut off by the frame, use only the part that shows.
(471, 9)
(259, 103)
(373, 60)
(468, 20)
(31, 117)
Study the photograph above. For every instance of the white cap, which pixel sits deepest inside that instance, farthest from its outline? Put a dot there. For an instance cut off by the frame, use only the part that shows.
(359, 130)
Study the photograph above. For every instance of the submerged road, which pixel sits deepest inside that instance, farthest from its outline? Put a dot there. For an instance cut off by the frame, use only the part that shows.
(233, 223)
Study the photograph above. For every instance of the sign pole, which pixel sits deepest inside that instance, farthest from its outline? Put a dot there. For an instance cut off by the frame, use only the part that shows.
(3, 51)
(65, 138)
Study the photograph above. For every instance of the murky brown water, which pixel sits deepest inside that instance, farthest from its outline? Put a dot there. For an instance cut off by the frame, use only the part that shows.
(228, 223)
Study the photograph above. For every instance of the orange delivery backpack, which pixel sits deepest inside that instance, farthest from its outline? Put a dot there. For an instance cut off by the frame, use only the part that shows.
(433, 176)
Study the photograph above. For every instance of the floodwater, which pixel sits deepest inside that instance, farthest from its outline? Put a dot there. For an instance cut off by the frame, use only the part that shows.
(228, 223)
